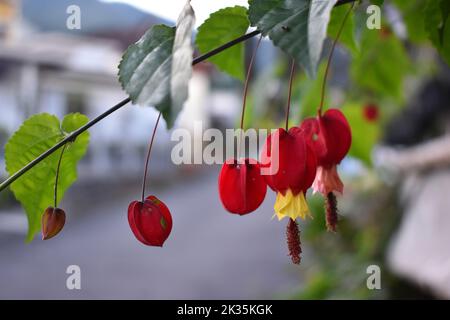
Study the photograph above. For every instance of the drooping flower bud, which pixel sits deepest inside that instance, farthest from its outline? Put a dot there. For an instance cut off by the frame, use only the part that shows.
(242, 189)
(150, 221)
(291, 170)
(53, 221)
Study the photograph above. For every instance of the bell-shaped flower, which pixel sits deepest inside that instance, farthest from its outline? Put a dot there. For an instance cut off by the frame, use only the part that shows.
(290, 167)
(330, 136)
(150, 221)
(242, 189)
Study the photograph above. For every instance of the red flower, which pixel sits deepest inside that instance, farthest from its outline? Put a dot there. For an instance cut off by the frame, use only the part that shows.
(371, 112)
(330, 136)
(291, 165)
(150, 221)
(241, 187)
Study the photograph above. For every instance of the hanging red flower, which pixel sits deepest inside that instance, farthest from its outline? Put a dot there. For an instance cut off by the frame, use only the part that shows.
(291, 166)
(330, 136)
(371, 112)
(242, 189)
(150, 221)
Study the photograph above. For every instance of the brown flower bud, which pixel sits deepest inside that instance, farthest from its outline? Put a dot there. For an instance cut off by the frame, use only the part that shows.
(53, 221)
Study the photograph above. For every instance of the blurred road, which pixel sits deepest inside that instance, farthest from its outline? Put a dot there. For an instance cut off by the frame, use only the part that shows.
(210, 253)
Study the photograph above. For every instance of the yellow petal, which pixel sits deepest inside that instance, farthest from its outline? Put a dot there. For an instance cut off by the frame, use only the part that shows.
(291, 206)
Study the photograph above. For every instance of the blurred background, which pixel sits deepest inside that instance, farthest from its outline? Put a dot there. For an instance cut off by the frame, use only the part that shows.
(392, 85)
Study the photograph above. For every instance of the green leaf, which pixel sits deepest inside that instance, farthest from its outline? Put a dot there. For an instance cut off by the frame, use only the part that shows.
(35, 189)
(379, 2)
(298, 27)
(365, 133)
(382, 64)
(437, 26)
(347, 36)
(155, 71)
(413, 17)
(223, 26)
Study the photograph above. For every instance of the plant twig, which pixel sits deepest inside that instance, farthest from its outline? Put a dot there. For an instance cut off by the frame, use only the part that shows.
(224, 47)
(57, 174)
(72, 137)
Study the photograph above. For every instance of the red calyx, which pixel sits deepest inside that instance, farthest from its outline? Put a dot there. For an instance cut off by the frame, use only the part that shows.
(330, 136)
(150, 221)
(296, 161)
(242, 189)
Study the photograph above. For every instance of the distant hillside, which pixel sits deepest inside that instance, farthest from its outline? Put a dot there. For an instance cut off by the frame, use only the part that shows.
(97, 17)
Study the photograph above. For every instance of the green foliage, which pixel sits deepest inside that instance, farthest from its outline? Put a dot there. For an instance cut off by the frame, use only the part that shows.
(382, 65)
(378, 2)
(437, 26)
(365, 133)
(155, 71)
(298, 27)
(347, 36)
(222, 27)
(413, 17)
(318, 287)
(145, 69)
(35, 189)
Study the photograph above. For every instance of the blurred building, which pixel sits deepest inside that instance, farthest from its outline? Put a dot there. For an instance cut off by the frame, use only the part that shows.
(8, 15)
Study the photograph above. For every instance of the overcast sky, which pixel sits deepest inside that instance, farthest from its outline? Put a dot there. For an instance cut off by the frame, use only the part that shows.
(170, 9)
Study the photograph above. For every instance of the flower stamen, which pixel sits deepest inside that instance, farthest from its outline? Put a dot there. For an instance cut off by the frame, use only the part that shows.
(331, 212)
(293, 241)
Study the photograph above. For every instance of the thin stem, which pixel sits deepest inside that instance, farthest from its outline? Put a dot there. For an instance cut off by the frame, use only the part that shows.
(330, 56)
(122, 103)
(244, 102)
(57, 174)
(291, 80)
(247, 81)
(227, 45)
(148, 156)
